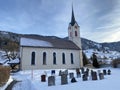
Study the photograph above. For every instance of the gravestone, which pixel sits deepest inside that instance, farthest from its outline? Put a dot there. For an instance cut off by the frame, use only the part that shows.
(92, 72)
(78, 73)
(73, 80)
(99, 71)
(66, 72)
(87, 69)
(101, 76)
(77, 70)
(94, 76)
(84, 77)
(109, 72)
(71, 75)
(43, 78)
(86, 73)
(82, 70)
(104, 72)
(53, 72)
(60, 72)
(51, 80)
(64, 79)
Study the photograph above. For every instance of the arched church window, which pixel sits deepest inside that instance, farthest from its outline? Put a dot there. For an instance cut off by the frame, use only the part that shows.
(54, 58)
(63, 58)
(33, 58)
(72, 61)
(44, 58)
(75, 33)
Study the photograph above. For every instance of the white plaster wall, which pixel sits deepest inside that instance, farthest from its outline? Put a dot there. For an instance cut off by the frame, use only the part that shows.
(26, 58)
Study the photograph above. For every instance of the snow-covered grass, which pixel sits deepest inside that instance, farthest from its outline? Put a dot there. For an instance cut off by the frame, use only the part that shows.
(31, 80)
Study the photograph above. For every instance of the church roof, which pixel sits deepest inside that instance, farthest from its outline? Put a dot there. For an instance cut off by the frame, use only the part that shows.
(47, 42)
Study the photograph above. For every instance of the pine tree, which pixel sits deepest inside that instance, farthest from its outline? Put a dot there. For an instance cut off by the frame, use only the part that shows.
(95, 62)
(85, 59)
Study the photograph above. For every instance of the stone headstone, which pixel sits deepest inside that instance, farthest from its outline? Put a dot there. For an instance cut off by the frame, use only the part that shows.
(84, 77)
(71, 75)
(78, 73)
(60, 72)
(104, 72)
(87, 69)
(86, 73)
(51, 80)
(66, 72)
(82, 70)
(109, 72)
(73, 80)
(53, 72)
(77, 70)
(92, 72)
(94, 76)
(43, 78)
(64, 79)
(99, 71)
(101, 76)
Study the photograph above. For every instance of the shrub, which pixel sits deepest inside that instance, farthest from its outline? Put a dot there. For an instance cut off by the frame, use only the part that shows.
(85, 59)
(4, 74)
(115, 62)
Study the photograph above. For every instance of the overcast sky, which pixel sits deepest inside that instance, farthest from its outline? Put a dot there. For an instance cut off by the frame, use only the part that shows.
(99, 20)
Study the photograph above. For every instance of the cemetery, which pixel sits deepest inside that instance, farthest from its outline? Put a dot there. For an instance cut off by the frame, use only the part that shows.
(87, 75)
(63, 79)
(54, 78)
(71, 76)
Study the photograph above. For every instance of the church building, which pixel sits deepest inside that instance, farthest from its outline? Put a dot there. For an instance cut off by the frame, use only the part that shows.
(50, 52)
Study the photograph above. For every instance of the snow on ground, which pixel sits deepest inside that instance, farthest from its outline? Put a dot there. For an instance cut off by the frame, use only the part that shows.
(31, 80)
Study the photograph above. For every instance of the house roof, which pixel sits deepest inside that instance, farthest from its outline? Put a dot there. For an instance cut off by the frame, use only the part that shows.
(47, 42)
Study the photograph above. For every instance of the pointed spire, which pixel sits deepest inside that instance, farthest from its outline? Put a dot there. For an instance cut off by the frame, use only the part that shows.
(72, 18)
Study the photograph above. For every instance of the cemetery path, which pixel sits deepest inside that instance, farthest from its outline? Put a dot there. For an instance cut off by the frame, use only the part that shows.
(11, 85)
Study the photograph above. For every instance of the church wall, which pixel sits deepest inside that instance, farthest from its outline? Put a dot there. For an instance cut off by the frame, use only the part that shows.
(26, 58)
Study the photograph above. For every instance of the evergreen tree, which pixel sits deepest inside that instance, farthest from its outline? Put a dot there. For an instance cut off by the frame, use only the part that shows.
(85, 59)
(95, 62)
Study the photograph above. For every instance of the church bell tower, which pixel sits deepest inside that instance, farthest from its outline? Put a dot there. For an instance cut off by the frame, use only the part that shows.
(74, 35)
(74, 31)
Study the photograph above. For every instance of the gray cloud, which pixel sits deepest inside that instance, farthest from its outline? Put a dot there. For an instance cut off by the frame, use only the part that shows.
(98, 19)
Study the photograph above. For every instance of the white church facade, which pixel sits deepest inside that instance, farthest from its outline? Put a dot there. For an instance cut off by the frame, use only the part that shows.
(47, 52)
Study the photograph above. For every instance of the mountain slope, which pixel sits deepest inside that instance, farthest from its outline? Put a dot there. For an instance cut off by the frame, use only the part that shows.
(86, 44)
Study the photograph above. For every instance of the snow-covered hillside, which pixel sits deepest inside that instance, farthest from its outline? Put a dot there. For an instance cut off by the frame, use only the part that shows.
(104, 56)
